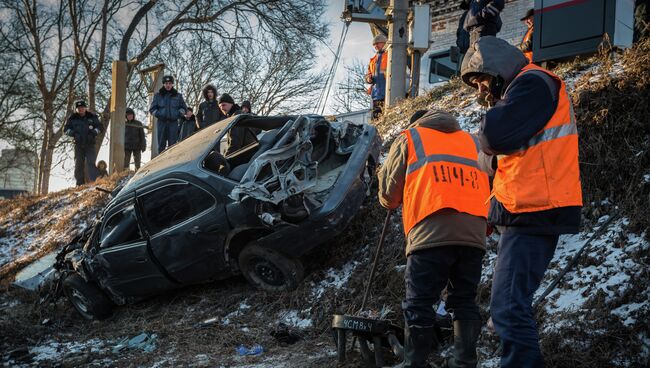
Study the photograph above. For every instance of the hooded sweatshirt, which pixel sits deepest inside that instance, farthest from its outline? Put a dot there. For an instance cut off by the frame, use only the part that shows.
(524, 107)
(444, 227)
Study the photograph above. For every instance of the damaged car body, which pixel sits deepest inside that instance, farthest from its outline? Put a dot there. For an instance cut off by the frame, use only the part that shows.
(193, 215)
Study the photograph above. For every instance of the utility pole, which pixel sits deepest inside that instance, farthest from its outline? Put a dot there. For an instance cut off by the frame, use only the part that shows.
(118, 109)
(396, 14)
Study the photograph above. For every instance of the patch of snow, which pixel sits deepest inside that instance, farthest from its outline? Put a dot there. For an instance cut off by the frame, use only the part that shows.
(243, 306)
(646, 178)
(334, 279)
(56, 351)
(625, 311)
(292, 318)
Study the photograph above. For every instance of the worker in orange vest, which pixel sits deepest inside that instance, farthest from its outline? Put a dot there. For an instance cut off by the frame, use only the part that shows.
(376, 75)
(526, 45)
(433, 172)
(536, 192)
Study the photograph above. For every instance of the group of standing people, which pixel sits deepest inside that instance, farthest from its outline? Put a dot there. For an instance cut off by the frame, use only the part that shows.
(518, 174)
(175, 122)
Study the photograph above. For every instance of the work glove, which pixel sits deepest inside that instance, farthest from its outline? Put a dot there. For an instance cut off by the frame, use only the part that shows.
(370, 79)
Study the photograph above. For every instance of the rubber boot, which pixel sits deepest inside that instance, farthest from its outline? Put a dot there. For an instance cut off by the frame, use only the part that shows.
(465, 337)
(417, 346)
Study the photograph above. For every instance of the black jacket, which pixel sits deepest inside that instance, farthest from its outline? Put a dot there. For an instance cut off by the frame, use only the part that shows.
(483, 17)
(209, 112)
(134, 137)
(168, 105)
(462, 36)
(186, 127)
(83, 129)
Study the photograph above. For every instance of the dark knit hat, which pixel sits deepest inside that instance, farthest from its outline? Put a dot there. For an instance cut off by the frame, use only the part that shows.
(247, 104)
(129, 111)
(80, 103)
(226, 98)
(168, 78)
(529, 13)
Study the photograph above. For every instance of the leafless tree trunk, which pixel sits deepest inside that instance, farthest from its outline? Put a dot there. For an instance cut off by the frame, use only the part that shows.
(40, 33)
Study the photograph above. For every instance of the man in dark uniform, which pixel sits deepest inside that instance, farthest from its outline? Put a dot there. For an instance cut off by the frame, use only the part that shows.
(83, 126)
(134, 140)
(167, 106)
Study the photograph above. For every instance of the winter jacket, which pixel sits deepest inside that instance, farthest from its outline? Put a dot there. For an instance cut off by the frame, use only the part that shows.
(186, 127)
(83, 129)
(208, 112)
(462, 36)
(238, 137)
(524, 108)
(444, 227)
(168, 105)
(134, 137)
(483, 17)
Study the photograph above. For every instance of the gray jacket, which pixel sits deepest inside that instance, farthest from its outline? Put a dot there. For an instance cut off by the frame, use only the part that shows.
(444, 227)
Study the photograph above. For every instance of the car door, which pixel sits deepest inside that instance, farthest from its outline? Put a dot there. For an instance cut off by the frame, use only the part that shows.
(187, 227)
(123, 263)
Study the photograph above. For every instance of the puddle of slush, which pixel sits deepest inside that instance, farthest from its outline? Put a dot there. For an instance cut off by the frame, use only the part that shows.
(32, 276)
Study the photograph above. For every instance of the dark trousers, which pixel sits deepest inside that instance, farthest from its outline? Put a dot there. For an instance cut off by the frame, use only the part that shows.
(84, 162)
(521, 263)
(377, 108)
(167, 134)
(136, 157)
(429, 271)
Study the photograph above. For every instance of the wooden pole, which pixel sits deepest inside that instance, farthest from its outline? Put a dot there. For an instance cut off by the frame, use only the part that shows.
(118, 109)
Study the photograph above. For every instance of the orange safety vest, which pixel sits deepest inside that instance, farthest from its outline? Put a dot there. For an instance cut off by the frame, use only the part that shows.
(527, 36)
(442, 172)
(372, 66)
(544, 173)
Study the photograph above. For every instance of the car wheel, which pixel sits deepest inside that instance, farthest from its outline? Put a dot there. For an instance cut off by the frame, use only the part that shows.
(86, 298)
(268, 270)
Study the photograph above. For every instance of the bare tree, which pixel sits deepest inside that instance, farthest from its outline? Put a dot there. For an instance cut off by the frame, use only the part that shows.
(351, 93)
(274, 77)
(40, 34)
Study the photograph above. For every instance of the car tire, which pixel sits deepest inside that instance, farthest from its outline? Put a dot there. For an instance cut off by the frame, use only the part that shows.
(86, 298)
(268, 270)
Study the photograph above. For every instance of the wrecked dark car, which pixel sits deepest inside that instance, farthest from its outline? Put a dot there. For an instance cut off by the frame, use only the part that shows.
(193, 215)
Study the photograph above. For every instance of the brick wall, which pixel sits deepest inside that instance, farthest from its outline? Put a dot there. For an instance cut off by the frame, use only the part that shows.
(443, 28)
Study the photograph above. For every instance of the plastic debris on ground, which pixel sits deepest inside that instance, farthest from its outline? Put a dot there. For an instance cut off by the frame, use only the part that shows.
(143, 341)
(253, 350)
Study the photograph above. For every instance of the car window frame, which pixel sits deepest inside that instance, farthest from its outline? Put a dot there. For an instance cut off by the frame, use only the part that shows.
(117, 210)
(162, 184)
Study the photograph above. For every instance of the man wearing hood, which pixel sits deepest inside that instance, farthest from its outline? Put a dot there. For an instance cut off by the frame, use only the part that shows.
(209, 112)
(536, 192)
(168, 107)
(83, 126)
(433, 171)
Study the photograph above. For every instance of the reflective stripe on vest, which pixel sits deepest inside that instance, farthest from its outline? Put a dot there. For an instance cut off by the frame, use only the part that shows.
(527, 36)
(544, 173)
(442, 172)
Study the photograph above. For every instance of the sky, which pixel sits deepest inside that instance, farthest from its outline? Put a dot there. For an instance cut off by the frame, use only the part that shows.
(357, 46)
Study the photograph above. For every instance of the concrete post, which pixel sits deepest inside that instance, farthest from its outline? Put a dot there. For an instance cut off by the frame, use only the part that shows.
(118, 109)
(397, 14)
(152, 78)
